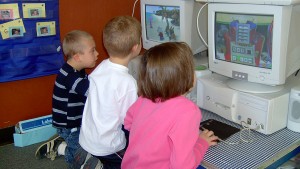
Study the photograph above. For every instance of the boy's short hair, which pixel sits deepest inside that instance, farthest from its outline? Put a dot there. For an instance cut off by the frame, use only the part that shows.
(120, 34)
(72, 43)
(167, 71)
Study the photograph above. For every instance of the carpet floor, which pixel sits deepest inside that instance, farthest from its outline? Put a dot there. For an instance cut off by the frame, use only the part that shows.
(12, 157)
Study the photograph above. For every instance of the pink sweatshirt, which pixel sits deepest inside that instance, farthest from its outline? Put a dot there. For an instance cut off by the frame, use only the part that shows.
(164, 135)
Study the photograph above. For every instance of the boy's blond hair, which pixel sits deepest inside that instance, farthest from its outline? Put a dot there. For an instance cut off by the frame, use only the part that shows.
(72, 43)
(120, 34)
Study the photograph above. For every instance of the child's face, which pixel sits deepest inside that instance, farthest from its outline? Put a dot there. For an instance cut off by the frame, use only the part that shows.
(17, 32)
(89, 55)
(35, 13)
(44, 30)
(194, 82)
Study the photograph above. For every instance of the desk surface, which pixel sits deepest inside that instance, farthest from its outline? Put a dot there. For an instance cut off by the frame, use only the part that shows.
(262, 152)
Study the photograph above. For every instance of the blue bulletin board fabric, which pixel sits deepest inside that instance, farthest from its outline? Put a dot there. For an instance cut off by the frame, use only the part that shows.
(30, 55)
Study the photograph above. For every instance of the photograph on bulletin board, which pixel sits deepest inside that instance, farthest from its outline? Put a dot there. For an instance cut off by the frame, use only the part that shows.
(45, 28)
(6, 14)
(12, 29)
(9, 11)
(16, 31)
(34, 10)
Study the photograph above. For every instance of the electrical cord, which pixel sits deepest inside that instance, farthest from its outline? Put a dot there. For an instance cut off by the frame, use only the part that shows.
(242, 139)
(198, 29)
(119, 156)
(134, 7)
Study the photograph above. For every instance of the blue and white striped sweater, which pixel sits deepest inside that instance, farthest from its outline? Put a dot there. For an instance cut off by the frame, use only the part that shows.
(69, 96)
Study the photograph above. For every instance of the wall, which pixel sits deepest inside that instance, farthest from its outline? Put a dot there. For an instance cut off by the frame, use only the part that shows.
(26, 99)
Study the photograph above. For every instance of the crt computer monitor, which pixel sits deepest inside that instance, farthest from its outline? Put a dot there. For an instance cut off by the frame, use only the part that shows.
(254, 43)
(172, 20)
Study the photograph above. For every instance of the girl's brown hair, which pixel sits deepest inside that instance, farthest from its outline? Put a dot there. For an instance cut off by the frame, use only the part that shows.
(167, 71)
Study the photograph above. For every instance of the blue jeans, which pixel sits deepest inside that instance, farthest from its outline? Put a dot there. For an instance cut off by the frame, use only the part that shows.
(112, 161)
(71, 137)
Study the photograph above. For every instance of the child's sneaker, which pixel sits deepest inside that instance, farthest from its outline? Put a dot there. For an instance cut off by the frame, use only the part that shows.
(81, 156)
(93, 163)
(49, 149)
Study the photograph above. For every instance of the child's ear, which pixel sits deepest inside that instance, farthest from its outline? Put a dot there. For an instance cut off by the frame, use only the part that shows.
(76, 57)
(135, 47)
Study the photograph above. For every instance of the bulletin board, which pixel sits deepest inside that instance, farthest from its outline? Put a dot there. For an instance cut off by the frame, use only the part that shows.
(29, 39)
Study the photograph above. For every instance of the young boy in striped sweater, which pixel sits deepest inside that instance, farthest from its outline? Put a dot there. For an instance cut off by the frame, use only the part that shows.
(69, 96)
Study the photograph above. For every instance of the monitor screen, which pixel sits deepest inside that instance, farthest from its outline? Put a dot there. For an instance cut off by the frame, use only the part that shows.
(244, 38)
(253, 43)
(162, 23)
(173, 21)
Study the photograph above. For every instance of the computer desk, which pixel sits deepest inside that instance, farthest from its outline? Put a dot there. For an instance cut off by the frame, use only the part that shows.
(266, 151)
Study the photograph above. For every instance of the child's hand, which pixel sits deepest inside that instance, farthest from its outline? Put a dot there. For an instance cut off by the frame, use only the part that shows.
(209, 137)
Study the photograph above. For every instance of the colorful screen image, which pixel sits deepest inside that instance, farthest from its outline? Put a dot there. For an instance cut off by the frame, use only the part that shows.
(162, 23)
(244, 39)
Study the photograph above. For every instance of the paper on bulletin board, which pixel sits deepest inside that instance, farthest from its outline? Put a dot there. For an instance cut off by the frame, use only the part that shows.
(34, 10)
(45, 28)
(12, 29)
(9, 11)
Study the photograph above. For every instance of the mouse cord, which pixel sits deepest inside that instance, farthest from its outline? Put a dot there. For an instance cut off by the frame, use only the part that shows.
(242, 138)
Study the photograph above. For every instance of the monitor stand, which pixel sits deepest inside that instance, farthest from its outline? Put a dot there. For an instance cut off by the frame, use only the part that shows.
(250, 87)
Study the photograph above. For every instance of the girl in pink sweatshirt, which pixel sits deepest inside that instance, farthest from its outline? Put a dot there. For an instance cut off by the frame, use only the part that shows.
(163, 123)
